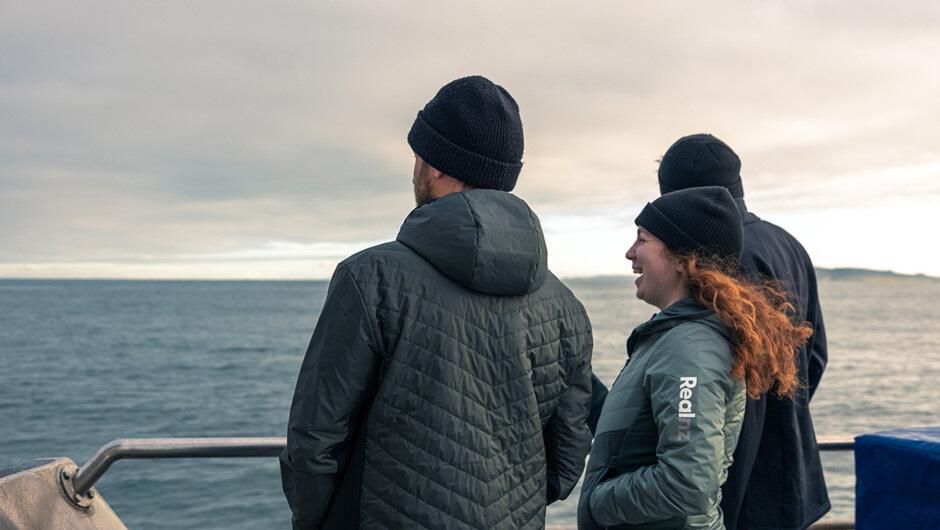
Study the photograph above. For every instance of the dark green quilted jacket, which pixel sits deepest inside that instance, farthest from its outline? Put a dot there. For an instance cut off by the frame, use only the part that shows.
(447, 382)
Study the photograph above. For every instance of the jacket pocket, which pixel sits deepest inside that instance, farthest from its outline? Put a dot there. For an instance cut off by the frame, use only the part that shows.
(585, 519)
(637, 450)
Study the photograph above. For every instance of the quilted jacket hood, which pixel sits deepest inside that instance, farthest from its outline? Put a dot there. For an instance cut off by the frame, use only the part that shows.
(486, 240)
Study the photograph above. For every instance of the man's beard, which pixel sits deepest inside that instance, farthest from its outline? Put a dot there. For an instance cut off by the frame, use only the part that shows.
(423, 188)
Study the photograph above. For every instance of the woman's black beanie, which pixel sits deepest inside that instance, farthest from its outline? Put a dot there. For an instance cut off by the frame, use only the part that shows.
(471, 131)
(700, 160)
(703, 221)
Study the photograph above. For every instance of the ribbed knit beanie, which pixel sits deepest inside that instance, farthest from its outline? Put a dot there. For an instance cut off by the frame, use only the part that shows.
(700, 160)
(471, 131)
(703, 221)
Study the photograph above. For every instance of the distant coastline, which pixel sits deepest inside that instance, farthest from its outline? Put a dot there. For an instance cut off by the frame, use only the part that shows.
(869, 275)
(822, 274)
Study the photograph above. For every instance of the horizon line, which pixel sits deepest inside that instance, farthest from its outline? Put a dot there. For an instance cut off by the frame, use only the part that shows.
(859, 270)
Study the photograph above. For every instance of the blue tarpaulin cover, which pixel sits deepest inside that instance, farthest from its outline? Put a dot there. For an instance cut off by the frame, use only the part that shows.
(897, 479)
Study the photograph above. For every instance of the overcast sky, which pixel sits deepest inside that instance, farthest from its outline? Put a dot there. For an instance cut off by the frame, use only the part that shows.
(227, 139)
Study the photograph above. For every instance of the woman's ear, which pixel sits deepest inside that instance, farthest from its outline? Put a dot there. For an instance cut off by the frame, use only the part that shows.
(682, 265)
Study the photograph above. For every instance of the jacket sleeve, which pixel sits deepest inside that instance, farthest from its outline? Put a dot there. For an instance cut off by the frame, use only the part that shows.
(567, 437)
(599, 393)
(688, 374)
(336, 379)
(816, 348)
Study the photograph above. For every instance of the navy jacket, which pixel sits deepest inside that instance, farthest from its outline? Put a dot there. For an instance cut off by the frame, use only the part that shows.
(776, 481)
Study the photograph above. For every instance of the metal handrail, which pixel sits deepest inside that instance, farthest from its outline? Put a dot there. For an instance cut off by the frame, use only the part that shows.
(152, 448)
(833, 443)
(148, 448)
(79, 484)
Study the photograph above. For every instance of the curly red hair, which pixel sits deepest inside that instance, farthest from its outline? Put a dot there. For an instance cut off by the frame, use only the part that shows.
(765, 332)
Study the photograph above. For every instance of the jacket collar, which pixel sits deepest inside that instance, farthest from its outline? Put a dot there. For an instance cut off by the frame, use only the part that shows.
(684, 310)
(746, 216)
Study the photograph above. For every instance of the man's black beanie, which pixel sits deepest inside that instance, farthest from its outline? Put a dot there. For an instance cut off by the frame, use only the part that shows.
(471, 131)
(703, 221)
(700, 160)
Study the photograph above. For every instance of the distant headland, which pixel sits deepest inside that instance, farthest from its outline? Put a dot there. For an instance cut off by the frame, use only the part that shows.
(869, 275)
(822, 274)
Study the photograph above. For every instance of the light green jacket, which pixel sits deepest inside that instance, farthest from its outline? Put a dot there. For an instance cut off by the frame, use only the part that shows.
(667, 429)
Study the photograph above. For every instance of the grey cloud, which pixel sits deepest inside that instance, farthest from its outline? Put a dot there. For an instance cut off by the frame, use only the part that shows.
(129, 129)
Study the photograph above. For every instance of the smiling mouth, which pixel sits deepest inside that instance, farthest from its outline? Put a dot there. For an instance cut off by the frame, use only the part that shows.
(637, 271)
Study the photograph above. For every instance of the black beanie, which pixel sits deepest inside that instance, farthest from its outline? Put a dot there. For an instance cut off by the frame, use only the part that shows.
(700, 160)
(471, 131)
(703, 221)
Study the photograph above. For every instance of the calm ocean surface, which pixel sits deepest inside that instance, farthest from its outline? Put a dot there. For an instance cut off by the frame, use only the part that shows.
(86, 362)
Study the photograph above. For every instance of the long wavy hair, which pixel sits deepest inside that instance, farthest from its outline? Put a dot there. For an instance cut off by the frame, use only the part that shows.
(762, 319)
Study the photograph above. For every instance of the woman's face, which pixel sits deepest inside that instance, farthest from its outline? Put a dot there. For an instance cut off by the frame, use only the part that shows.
(662, 276)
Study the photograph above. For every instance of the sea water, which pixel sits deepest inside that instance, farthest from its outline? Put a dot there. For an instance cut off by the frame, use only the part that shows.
(86, 362)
